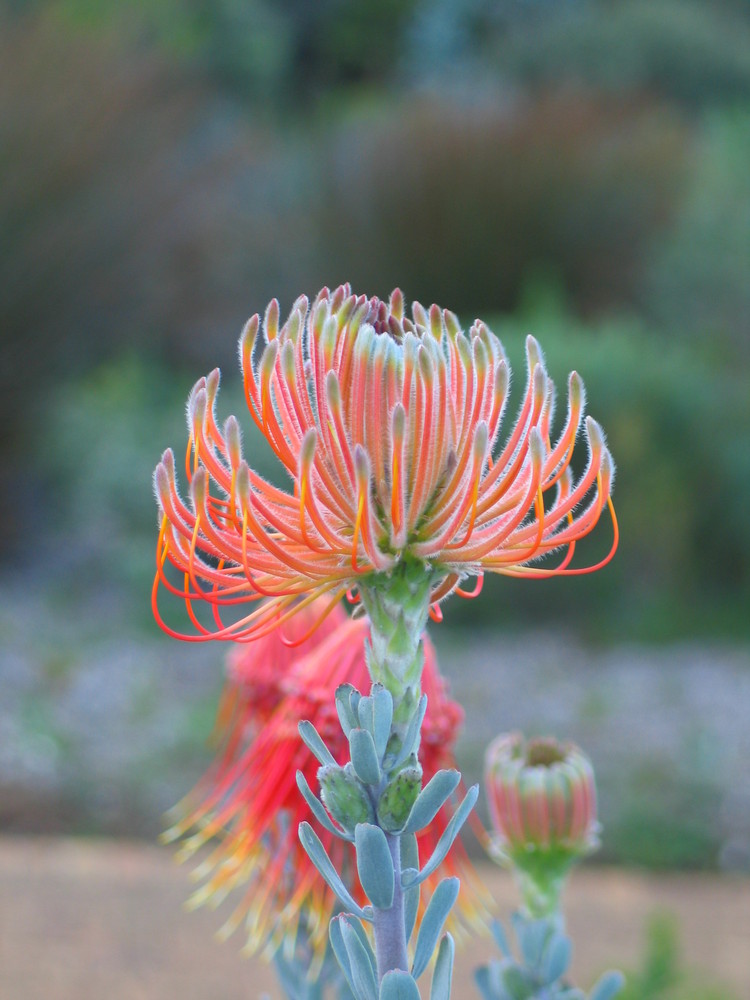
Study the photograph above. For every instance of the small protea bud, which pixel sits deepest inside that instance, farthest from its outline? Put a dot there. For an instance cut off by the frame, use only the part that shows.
(344, 796)
(398, 797)
(542, 802)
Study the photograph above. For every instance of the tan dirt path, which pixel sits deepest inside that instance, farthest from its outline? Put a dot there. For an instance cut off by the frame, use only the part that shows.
(103, 920)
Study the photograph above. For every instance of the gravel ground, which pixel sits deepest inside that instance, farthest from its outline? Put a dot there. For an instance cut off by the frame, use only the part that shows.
(87, 919)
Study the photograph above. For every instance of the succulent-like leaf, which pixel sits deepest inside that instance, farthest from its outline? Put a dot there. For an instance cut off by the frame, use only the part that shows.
(411, 737)
(363, 974)
(316, 807)
(314, 743)
(442, 976)
(608, 986)
(556, 958)
(398, 985)
(382, 717)
(347, 716)
(443, 845)
(434, 918)
(317, 854)
(364, 756)
(374, 865)
(410, 860)
(339, 949)
(398, 797)
(344, 796)
(498, 933)
(430, 800)
(532, 937)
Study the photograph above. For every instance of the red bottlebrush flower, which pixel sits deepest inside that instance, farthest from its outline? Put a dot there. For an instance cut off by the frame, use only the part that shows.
(249, 807)
(391, 428)
(542, 798)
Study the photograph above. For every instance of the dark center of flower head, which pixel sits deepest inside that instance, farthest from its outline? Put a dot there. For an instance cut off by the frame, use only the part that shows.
(383, 321)
(544, 752)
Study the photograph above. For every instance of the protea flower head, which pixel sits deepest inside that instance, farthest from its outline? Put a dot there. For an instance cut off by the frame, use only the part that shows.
(247, 808)
(391, 428)
(542, 801)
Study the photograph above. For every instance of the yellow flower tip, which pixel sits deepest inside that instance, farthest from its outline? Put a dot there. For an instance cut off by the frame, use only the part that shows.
(539, 383)
(534, 353)
(576, 391)
(396, 304)
(307, 451)
(233, 439)
(248, 337)
(607, 470)
(436, 321)
(271, 321)
(161, 485)
(333, 391)
(536, 448)
(481, 441)
(419, 314)
(199, 489)
(595, 436)
(197, 406)
(212, 384)
(452, 325)
(242, 483)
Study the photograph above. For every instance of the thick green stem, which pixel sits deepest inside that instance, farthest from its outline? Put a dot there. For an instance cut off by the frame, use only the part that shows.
(398, 605)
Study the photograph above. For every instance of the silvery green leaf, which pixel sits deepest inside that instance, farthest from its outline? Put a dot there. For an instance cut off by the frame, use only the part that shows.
(375, 865)
(356, 926)
(608, 986)
(314, 743)
(571, 994)
(433, 796)
(532, 937)
(339, 949)
(483, 979)
(354, 697)
(364, 713)
(364, 756)
(363, 974)
(344, 796)
(317, 854)
(411, 738)
(556, 958)
(432, 923)
(446, 840)
(398, 797)
(410, 860)
(347, 716)
(500, 939)
(442, 976)
(316, 807)
(398, 985)
(518, 983)
(382, 717)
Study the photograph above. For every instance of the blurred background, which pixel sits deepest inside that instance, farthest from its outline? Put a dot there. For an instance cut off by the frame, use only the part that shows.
(577, 169)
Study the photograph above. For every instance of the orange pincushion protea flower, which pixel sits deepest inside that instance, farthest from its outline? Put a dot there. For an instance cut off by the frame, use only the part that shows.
(249, 804)
(390, 427)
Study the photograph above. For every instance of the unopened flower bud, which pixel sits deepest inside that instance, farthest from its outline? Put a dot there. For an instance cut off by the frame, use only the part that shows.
(398, 797)
(542, 801)
(344, 797)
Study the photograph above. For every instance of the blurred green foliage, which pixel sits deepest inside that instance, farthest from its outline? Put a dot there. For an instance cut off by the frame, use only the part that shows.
(461, 204)
(662, 975)
(576, 168)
